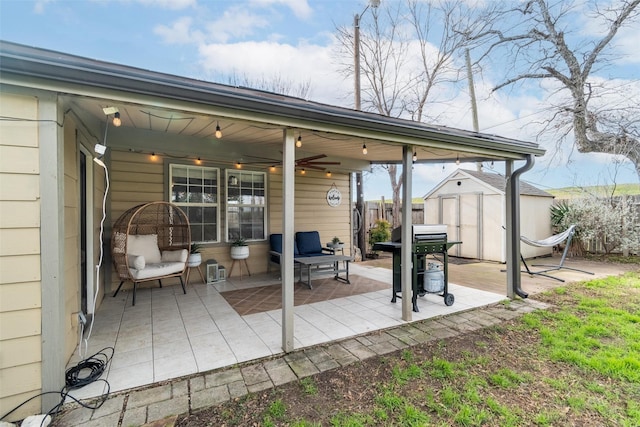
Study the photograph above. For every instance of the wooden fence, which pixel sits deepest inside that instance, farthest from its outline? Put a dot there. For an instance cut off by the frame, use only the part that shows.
(376, 210)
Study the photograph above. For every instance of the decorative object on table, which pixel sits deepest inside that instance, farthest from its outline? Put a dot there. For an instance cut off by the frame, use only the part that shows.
(195, 257)
(335, 243)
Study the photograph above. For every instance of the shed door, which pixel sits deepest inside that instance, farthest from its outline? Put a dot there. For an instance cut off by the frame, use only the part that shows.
(471, 225)
(449, 215)
(462, 214)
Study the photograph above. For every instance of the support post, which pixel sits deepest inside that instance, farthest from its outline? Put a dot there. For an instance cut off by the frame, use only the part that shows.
(50, 141)
(286, 260)
(406, 262)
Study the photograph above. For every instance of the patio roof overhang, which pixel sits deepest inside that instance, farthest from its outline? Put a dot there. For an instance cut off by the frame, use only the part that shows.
(252, 120)
(260, 128)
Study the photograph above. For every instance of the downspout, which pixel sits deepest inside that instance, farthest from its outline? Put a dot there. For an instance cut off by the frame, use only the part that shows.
(514, 279)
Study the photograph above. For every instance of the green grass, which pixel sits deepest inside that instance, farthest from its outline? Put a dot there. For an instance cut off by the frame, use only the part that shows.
(601, 190)
(309, 386)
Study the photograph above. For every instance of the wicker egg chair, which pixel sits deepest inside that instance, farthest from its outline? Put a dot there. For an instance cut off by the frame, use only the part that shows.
(150, 241)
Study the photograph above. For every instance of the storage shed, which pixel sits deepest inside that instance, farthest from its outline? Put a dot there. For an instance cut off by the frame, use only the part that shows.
(472, 205)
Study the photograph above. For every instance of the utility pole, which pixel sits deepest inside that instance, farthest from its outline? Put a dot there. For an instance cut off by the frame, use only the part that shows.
(474, 106)
(362, 233)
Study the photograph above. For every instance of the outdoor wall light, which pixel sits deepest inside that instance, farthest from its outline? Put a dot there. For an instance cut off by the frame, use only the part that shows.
(116, 120)
(238, 165)
(329, 174)
(299, 141)
(218, 131)
(457, 159)
(198, 161)
(302, 172)
(272, 168)
(364, 149)
(415, 155)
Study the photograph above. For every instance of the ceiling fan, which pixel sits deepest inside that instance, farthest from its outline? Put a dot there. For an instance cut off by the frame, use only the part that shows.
(310, 162)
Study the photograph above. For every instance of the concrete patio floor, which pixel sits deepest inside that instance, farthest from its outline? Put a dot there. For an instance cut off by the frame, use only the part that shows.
(168, 334)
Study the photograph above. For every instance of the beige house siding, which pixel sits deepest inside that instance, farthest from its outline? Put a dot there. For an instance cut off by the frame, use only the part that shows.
(137, 178)
(71, 238)
(312, 212)
(20, 289)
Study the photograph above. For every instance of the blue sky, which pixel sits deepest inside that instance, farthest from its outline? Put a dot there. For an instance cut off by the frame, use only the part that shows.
(295, 40)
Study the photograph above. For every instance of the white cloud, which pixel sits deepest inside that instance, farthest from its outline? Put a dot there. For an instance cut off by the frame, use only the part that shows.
(235, 22)
(39, 6)
(265, 59)
(180, 32)
(300, 8)
(169, 4)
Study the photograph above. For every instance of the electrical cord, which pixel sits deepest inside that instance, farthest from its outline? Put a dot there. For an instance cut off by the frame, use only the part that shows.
(83, 373)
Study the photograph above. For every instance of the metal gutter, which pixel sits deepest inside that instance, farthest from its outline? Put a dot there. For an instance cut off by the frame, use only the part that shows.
(514, 278)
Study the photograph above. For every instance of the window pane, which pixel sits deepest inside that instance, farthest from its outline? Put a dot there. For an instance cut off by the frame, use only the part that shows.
(244, 218)
(195, 190)
(179, 193)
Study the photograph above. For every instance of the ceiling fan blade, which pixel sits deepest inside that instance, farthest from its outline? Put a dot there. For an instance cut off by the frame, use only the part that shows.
(310, 167)
(306, 159)
(320, 163)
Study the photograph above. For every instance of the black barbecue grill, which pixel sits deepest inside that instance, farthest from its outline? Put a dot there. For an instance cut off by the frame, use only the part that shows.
(427, 239)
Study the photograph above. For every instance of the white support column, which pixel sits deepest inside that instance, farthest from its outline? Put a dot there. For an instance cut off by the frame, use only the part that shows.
(406, 252)
(286, 261)
(51, 146)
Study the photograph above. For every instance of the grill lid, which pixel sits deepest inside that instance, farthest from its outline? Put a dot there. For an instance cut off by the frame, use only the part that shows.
(418, 230)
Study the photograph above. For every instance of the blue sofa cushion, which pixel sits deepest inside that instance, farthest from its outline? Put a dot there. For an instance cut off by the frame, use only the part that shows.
(309, 243)
(275, 244)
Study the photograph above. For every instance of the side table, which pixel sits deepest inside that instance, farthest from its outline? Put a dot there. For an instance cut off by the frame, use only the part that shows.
(186, 280)
(233, 263)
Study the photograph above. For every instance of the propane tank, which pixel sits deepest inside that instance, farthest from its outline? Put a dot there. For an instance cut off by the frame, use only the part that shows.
(433, 278)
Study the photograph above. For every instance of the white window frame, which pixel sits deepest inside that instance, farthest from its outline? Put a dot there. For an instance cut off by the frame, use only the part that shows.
(217, 204)
(234, 172)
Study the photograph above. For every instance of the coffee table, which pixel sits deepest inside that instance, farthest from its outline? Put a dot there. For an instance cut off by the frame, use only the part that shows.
(324, 263)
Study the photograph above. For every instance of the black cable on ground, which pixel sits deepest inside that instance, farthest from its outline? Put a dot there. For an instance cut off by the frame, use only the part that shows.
(85, 372)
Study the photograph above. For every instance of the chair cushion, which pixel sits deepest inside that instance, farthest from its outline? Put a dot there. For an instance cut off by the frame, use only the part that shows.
(153, 271)
(179, 255)
(309, 242)
(145, 245)
(136, 262)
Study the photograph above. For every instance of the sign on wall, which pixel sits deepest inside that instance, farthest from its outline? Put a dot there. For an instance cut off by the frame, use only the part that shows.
(334, 197)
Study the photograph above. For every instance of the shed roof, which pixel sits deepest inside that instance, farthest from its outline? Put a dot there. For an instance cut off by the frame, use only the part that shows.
(494, 180)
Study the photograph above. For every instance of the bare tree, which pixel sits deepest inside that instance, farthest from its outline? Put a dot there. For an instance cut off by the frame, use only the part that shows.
(276, 84)
(409, 49)
(544, 43)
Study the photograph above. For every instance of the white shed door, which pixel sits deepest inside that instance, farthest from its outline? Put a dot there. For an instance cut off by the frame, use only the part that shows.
(462, 214)
(471, 225)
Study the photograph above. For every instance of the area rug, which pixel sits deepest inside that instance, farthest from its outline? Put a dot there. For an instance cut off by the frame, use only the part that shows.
(265, 298)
